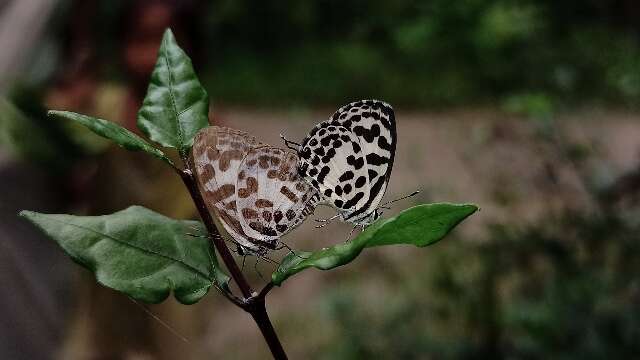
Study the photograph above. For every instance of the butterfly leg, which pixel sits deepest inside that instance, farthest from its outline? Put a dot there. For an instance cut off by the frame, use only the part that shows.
(326, 222)
(287, 142)
(351, 233)
(285, 246)
(196, 235)
(244, 258)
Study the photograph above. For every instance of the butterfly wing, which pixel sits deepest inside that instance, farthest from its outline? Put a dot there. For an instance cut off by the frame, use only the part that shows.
(217, 154)
(353, 150)
(272, 197)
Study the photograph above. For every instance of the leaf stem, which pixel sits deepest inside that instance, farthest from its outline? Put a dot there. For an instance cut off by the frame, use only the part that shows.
(251, 302)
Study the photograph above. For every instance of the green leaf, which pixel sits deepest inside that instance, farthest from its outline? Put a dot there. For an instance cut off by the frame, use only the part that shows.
(138, 252)
(114, 132)
(421, 225)
(176, 105)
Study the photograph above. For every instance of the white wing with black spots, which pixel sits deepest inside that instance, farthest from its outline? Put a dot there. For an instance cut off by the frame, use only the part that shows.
(353, 150)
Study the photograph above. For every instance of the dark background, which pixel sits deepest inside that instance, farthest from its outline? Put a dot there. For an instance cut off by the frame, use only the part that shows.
(527, 108)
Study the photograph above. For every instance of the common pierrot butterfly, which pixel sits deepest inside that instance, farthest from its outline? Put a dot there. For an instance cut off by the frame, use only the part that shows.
(253, 189)
(348, 159)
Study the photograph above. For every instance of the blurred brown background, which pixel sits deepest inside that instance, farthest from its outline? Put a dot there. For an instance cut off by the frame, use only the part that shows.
(525, 107)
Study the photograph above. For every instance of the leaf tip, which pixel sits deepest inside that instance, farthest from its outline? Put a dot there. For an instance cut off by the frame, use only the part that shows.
(168, 35)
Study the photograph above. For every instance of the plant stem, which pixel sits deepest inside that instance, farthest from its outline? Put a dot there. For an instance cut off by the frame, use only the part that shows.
(254, 305)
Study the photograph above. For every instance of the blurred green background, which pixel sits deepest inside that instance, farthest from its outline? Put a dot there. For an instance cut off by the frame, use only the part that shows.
(527, 108)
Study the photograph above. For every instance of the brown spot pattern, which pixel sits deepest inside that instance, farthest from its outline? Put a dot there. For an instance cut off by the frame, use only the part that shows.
(289, 194)
(272, 174)
(263, 203)
(281, 228)
(264, 161)
(222, 193)
(252, 186)
(242, 175)
(267, 216)
(290, 214)
(300, 187)
(231, 206)
(207, 173)
(277, 216)
(227, 156)
(213, 154)
(248, 213)
(256, 226)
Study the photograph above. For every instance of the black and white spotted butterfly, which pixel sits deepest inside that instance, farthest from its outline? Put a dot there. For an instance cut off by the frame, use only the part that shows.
(348, 159)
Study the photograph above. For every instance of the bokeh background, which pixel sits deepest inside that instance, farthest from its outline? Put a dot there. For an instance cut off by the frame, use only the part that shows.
(528, 108)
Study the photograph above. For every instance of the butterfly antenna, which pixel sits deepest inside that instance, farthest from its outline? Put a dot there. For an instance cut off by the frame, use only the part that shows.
(157, 318)
(287, 142)
(244, 258)
(384, 206)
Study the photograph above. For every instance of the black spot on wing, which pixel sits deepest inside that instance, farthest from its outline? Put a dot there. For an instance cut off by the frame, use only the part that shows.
(330, 154)
(356, 147)
(356, 163)
(383, 144)
(323, 173)
(375, 159)
(354, 200)
(361, 181)
(348, 175)
(368, 134)
(372, 174)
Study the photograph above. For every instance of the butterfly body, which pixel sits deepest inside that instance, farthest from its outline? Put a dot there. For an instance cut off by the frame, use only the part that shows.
(253, 189)
(349, 157)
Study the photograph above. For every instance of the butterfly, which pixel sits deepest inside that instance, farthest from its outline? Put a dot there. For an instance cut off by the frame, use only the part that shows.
(348, 159)
(253, 189)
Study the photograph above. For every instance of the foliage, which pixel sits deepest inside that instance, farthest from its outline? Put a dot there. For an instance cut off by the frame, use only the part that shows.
(421, 225)
(176, 105)
(137, 251)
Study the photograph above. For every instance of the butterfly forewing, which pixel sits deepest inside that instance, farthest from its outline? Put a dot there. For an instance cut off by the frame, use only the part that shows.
(217, 154)
(272, 197)
(349, 157)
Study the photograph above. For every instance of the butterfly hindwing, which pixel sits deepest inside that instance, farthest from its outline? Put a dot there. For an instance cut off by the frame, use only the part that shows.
(272, 198)
(349, 157)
